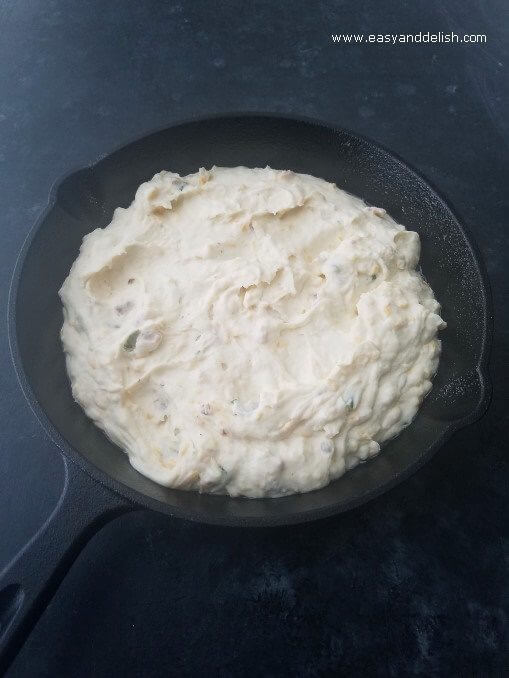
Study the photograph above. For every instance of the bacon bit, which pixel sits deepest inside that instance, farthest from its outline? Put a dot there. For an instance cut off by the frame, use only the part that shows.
(160, 211)
(203, 176)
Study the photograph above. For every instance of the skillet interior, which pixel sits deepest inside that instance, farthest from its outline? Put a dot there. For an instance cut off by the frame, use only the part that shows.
(85, 200)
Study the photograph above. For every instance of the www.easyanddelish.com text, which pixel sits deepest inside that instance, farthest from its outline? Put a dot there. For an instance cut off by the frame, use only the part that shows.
(408, 38)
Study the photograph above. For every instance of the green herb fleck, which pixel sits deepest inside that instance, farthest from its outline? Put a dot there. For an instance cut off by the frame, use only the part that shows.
(327, 447)
(179, 184)
(124, 308)
(349, 403)
(130, 342)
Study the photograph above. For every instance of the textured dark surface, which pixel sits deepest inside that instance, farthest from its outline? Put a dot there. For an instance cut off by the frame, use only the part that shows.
(413, 583)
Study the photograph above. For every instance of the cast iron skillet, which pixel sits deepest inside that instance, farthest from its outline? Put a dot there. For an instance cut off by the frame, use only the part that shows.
(99, 482)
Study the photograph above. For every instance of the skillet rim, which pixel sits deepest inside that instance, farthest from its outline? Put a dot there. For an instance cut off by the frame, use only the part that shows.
(145, 501)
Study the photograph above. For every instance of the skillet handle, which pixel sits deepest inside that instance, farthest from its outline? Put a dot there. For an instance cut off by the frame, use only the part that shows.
(31, 579)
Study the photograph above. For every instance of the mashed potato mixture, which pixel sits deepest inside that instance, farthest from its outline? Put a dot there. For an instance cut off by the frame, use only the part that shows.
(249, 331)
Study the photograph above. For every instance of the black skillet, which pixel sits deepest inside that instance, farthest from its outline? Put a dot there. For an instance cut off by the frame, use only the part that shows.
(99, 482)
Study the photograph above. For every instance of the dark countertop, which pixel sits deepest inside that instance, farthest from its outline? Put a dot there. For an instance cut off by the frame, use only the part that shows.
(414, 583)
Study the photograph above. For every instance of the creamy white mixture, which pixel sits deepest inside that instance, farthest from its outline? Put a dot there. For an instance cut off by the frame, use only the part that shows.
(249, 331)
